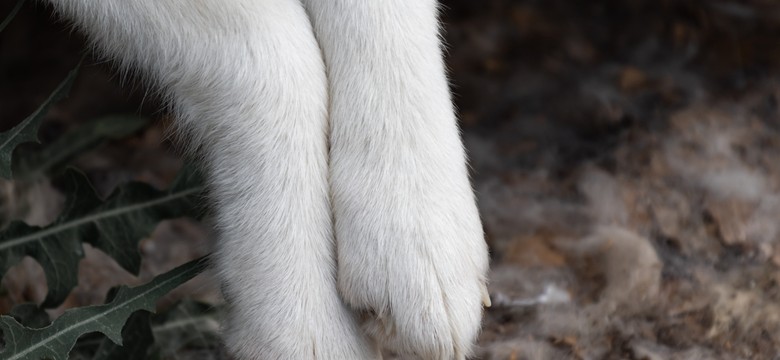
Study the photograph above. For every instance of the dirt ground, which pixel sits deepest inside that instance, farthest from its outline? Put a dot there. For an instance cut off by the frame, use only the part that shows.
(625, 153)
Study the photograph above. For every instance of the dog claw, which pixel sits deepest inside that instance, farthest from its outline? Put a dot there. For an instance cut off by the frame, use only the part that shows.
(486, 297)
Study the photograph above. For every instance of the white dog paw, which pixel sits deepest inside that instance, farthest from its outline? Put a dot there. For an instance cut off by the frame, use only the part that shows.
(433, 326)
(419, 281)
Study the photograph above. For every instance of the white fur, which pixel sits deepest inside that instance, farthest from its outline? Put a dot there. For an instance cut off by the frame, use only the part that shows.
(247, 80)
(410, 243)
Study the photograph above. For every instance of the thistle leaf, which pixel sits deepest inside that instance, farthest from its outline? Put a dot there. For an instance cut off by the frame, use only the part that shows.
(114, 226)
(56, 340)
(137, 338)
(27, 130)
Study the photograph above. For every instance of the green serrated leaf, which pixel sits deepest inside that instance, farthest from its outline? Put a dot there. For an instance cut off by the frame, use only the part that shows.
(27, 130)
(12, 14)
(33, 165)
(114, 226)
(137, 338)
(56, 340)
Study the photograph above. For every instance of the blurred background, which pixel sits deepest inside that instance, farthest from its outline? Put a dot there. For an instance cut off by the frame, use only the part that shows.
(625, 153)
